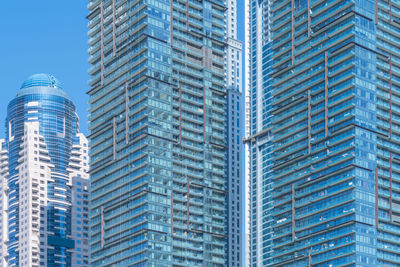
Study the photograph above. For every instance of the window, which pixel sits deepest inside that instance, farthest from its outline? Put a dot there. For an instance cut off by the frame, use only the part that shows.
(11, 129)
(60, 126)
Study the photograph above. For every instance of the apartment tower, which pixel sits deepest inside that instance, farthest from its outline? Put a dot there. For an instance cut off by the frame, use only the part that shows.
(234, 131)
(258, 136)
(333, 78)
(44, 179)
(158, 130)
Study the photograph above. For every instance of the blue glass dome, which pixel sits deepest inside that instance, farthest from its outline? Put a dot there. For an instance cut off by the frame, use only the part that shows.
(50, 107)
(42, 100)
(42, 84)
(41, 80)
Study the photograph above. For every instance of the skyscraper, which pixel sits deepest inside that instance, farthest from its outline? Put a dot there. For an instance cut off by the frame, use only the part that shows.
(234, 178)
(44, 179)
(158, 130)
(3, 202)
(234, 173)
(334, 133)
(258, 141)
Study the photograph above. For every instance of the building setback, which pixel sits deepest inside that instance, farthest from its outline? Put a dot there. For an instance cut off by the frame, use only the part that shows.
(158, 130)
(334, 134)
(44, 175)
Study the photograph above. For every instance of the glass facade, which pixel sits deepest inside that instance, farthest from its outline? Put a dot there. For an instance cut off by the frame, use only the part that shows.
(258, 139)
(157, 123)
(333, 134)
(41, 127)
(234, 136)
(234, 174)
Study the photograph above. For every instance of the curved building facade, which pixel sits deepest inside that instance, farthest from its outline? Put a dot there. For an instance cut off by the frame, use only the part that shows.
(42, 99)
(46, 157)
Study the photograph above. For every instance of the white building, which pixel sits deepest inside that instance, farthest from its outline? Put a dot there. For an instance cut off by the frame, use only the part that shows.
(34, 175)
(3, 203)
(44, 164)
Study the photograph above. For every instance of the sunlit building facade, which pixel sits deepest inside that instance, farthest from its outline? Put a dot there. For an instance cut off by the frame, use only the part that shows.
(234, 131)
(41, 159)
(158, 130)
(3, 202)
(258, 135)
(334, 136)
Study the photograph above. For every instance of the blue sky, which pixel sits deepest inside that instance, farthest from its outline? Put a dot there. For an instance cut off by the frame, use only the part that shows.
(44, 36)
(49, 36)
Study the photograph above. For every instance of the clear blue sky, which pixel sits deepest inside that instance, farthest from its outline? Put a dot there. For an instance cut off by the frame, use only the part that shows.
(44, 36)
(49, 36)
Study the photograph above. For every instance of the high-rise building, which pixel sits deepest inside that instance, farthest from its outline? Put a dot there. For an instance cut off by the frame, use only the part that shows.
(234, 173)
(158, 130)
(334, 134)
(234, 178)
(258, 136)
(3, 202)
(44, 179)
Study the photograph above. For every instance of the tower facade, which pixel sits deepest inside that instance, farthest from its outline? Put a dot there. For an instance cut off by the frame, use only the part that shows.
(333, 133)
(158, 129)
(234, 131)
(3, 202)
(258, 134)
(46, 154)
(234, 176)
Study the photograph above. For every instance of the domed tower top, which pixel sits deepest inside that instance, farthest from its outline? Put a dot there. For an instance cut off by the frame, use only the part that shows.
(42, 83)
(41, 80)
(42, 99)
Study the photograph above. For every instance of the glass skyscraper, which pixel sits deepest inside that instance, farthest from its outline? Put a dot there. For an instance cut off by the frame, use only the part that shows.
(234, 167)
(44, 179)
(158, 133)
(258, 141)
(330, 166)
